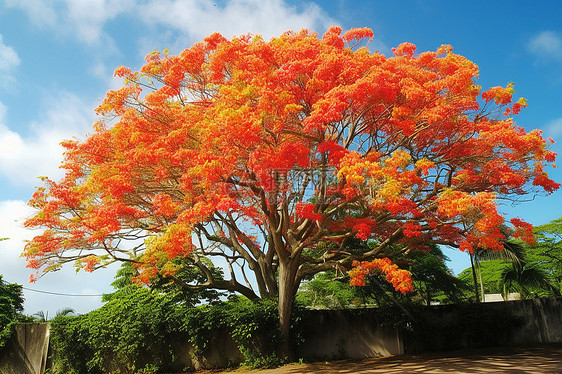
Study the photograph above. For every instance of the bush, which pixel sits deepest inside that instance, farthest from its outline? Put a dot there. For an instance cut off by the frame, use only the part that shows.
(124, 336)
(11, 306)
(136, 333)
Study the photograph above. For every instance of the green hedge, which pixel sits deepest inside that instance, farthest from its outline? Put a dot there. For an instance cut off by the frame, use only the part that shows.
(140, 332)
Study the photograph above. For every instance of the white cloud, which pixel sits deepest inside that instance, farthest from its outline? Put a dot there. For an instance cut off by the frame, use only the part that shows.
(554, 129)
(3, 111)
(40, 12)
(99, 70)
(199, 18)
(88, 17)
(23, 159)
(85, 20)
(546, 45)
(12, 215)
(13, 270)
(9, 60)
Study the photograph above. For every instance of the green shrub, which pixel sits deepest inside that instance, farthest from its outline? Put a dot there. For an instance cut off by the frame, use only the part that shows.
(123, 336)
(11, 306)
(135, 333)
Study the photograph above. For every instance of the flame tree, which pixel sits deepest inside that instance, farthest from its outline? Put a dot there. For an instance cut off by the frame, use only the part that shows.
(280, 156)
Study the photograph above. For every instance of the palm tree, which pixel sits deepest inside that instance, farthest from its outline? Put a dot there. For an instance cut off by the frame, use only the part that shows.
(511, 252)
(529, 280)
(43, 316)
(64, 312)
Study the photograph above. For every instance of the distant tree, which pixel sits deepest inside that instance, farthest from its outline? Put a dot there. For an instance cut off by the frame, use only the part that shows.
(11, 307)
(488, 279)
(43, 316)
(531, 270)
(329, 290)
(124, 283)
(546, 253)
(433, 280)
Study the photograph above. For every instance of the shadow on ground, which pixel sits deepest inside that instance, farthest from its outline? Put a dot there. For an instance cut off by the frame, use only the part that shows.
(544, 359)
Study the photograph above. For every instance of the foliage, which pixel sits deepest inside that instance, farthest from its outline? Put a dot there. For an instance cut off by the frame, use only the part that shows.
(254, 327)
(120, 337)
(432, 280)
(42, 316)
(533, 270)
(188, 274)
(512, 251)
(546, 253)
(491, 271)
(529, 281)
(11, 306)
(137, 331)
(254, 151)
(326, 291)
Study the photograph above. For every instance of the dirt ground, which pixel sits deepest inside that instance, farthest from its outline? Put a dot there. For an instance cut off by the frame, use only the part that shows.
(544, 359)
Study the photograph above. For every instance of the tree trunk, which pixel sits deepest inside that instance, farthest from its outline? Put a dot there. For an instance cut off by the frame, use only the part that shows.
(288, 285)
(476, 292)
(482, 294)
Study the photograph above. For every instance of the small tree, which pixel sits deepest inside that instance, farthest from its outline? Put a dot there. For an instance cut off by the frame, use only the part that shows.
(11, 306)
(433, 280)
(276, 156)
(124, 284)
(546, 253)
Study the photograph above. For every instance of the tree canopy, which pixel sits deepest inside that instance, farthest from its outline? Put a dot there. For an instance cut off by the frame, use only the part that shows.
(278, 156)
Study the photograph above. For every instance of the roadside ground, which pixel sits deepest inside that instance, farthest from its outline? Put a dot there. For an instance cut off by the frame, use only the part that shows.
(542, 359)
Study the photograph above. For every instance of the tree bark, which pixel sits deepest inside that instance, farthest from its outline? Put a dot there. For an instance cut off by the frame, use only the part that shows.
(482, 294)
(288, 285)
(476, 292)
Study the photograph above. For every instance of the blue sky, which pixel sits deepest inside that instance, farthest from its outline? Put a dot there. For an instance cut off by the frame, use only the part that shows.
(57, 59)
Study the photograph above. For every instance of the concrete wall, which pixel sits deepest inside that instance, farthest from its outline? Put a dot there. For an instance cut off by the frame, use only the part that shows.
(541, 321)
(495, 297)
(26, 352)
(223, 353)
(518, 322)
(355, 333)
(324, 335)
(347, 334)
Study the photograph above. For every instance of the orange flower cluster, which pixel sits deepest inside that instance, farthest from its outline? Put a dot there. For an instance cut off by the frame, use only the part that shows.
(400, 279)
(306, 211)
(499, 94)
(523, 230)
